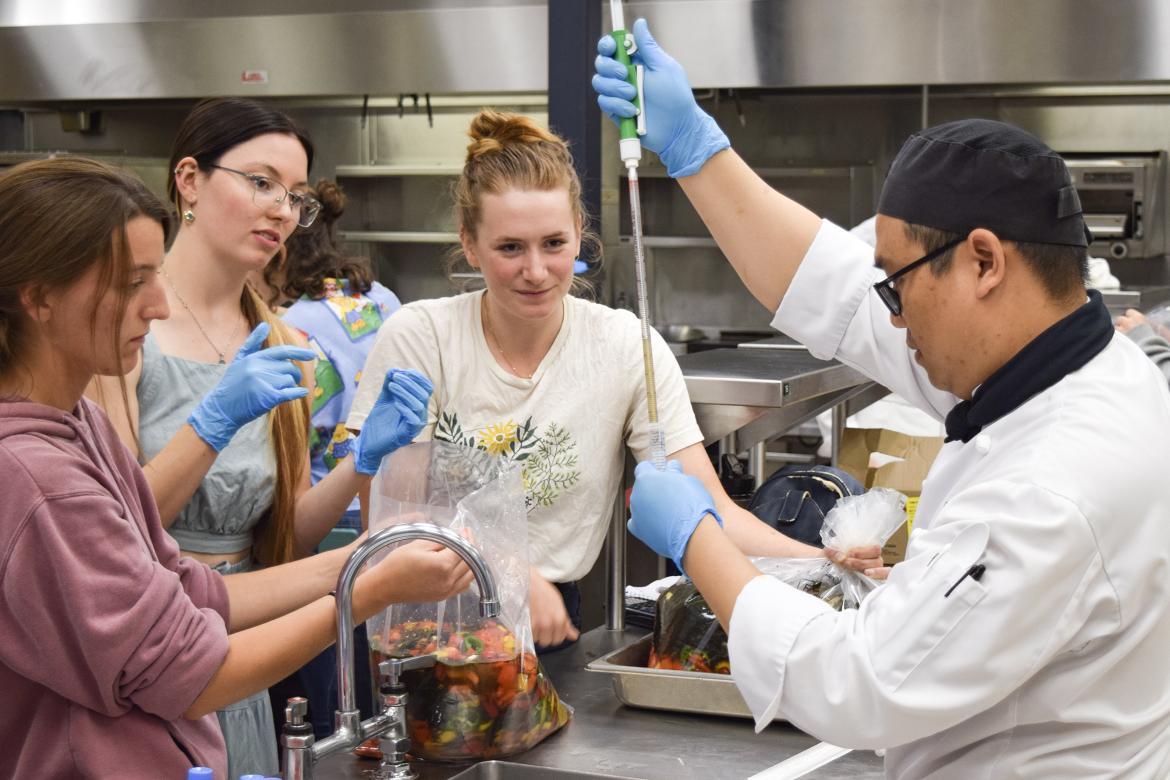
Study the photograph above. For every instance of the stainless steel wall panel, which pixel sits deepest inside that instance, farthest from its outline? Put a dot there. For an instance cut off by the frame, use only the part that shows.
(55, 51)
(27, 13)
(480, 49)
(146, 131)
(336, 133)
(835, 43)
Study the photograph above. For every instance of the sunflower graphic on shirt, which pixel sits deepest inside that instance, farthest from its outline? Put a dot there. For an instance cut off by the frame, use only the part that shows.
(496, 438)
(548, 456)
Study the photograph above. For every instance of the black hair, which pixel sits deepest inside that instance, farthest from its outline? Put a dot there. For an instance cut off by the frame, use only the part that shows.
(1062, 270)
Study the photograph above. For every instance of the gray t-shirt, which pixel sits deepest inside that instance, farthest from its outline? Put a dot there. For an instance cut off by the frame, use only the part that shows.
(238, 490)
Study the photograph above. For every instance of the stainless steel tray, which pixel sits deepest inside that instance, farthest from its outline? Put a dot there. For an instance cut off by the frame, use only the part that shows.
(664, 689)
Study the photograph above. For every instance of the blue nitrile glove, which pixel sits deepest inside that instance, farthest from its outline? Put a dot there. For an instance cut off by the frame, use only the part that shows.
(666, 507)
(398, 416)
(677, 130)
(256, 381)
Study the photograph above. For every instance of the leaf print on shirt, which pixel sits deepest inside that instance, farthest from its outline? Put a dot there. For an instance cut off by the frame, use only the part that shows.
(552, 469)
(550, 460)
(449, 429)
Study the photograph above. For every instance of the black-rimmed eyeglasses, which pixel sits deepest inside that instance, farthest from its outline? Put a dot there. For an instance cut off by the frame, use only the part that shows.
(268, 192)
(888, 291)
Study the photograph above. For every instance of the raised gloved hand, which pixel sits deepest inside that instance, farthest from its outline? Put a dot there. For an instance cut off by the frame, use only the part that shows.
(256, 381)
(666, 507)
(677, 130)
(397, 417)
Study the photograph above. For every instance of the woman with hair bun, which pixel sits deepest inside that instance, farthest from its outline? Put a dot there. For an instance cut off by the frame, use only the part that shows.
(531, 373)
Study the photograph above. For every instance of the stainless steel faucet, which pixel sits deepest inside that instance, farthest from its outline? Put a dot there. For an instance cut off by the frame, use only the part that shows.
(301, 750)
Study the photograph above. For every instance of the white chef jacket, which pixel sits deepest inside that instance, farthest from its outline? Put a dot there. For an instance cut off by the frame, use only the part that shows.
(1056, 663)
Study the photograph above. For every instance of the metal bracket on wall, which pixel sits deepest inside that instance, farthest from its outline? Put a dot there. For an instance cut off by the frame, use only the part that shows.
(84, 122)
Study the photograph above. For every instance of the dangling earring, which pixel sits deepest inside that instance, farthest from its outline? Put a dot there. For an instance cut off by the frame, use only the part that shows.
(188, 216)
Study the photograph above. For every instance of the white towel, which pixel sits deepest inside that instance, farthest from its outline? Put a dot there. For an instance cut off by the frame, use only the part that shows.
(652, 591)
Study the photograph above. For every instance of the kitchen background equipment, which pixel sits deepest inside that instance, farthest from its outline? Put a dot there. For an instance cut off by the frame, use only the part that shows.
(1116, 195)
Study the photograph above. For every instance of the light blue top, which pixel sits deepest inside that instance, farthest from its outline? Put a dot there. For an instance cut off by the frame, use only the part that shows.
(238, 490)
(341, 328)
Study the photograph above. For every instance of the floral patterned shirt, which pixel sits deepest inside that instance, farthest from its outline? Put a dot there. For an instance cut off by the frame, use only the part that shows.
(568, 425)
(340, 328)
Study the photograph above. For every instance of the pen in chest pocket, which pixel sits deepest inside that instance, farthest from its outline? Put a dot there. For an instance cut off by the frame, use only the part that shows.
(975, 573)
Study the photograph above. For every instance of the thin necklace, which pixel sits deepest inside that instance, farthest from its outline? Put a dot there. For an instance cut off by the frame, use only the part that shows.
(195, 319)
(487, 326)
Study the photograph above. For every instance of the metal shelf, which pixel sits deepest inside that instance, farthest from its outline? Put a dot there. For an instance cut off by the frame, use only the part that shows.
(674, 242)
(400, 236)
(402, 169)
(779, 172)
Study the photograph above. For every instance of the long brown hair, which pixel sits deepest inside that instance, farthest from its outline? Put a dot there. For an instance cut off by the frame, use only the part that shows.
(212, 128)
(58, 219)
(511, 151)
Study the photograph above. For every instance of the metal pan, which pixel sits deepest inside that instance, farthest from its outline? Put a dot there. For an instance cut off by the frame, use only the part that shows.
(664, 689)
(681, 334)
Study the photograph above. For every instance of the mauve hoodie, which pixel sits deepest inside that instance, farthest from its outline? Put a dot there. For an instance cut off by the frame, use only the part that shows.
(106, 635)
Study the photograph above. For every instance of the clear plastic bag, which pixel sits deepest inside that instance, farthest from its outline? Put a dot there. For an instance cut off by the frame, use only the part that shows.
(870, 518)
(861, 521)
(487, 695)
(687, 636)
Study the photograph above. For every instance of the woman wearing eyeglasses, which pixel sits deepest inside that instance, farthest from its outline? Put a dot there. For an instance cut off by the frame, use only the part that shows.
(218, 416)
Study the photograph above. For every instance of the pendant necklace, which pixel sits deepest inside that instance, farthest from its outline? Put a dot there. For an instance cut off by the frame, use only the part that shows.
(195, 319)
(487, 326)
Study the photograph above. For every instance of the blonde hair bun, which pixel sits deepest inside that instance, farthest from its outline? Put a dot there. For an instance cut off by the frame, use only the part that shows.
(492, 131)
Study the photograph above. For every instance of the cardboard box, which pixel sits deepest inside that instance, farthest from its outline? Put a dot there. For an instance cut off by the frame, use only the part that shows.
(877, 457)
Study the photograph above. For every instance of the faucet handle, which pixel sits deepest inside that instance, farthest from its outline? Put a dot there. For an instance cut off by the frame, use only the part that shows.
(296, 711)
(391, 669)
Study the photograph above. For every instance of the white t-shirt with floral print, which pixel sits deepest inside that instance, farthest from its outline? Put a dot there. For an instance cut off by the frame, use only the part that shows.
(567, 425)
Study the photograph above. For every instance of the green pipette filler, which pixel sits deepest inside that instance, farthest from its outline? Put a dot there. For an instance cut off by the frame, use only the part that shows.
(631, 154)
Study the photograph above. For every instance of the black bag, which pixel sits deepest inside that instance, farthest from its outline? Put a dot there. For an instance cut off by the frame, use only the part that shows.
(796, 499)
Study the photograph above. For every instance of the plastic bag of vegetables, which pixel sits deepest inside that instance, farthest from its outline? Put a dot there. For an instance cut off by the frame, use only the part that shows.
(487, 695)
(687, 636)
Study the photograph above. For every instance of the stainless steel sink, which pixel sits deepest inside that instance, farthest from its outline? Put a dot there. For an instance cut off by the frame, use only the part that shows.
(504, 770)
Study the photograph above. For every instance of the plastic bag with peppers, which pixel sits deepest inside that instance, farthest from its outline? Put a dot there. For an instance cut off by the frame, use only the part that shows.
(687, 636)
(487, 695)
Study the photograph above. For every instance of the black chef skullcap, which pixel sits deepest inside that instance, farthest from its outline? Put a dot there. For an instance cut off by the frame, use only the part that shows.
(979, 173)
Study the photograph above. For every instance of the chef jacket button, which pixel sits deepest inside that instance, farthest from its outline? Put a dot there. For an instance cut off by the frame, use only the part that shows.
(983, 444)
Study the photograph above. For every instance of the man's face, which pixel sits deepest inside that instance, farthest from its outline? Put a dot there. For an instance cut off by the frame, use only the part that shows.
(934, 308)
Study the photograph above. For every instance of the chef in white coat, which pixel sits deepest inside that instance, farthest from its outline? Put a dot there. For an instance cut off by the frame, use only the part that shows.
(1027, 634)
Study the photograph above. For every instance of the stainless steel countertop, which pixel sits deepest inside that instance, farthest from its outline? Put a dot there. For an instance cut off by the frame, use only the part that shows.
(765, 388)
(608, 738)
(762, 377)
(779, 341)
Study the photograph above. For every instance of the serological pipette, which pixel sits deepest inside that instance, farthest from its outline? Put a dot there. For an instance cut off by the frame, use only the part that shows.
(631, 154)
